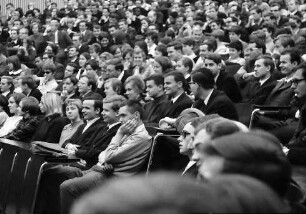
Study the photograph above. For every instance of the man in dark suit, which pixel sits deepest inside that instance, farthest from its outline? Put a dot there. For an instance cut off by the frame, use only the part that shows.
(58, 36)
(297, 144)
(259, 89)
(224, 82)
(87, 86)
(86, 35)
(155, 109)
(175, 85)
(79, 142)
(73, 55)
(280, 19)
(282, 93)
(14, 40)
(76, 39)
(211, 101)
(28, 87)
(98, 139)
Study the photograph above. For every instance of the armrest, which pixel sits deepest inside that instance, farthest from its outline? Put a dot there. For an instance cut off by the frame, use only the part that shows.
(271, 108)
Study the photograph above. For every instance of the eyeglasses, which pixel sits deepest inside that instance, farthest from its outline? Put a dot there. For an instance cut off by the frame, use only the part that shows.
(45, 58)
(47, 72)
(295, 82)
(190, 83)
(184, 134)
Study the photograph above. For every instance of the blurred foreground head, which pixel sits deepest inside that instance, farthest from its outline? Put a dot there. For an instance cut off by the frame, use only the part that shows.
(170, 193)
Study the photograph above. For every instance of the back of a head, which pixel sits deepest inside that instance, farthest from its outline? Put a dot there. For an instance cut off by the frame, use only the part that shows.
(159, 193)
(174, 194)
(257, 154)
(244, 194)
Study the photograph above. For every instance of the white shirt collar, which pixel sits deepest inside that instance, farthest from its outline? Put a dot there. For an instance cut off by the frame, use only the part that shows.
(174, 99)
(261, 82)
(5, 93)
(216, 77)
(208, 96)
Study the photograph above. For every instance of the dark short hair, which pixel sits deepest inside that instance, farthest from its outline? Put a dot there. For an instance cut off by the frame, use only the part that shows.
(204, 78)
(175, 45)
(211, 44)
(236, 45)
(134, 106)
(91, 81)
(73, 79)
(74, 65)
(30, 104)
(157, 79)
(97, 103)
(267, 61)
(29, 80)
(294, 55)
(214, 57)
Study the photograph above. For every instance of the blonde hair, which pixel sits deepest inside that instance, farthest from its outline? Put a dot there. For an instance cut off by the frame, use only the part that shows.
(52, 103)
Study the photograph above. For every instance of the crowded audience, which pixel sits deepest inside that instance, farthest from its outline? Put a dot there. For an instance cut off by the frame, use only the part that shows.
(213, 91)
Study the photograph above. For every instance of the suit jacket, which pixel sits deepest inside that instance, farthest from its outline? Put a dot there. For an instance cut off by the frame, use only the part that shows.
(282, 21)
(93, 95)
(35, 93)
(84, 48)
(281, 95)
(229, 85)
(192, 171)
(218, 103)
(175, 109)
(63, 39)
(155, 110)
(83, 138)
(256, 93)
(87, 37)
(9, 42)
(99, 142)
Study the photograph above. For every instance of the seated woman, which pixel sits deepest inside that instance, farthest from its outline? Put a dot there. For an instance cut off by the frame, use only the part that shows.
(12, 122)
(134, 87)
(4, 111)
(29, 122)
(51, 126)
(74, 114)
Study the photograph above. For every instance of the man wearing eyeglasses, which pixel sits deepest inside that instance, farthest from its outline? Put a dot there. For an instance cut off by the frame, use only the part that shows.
(297, 145)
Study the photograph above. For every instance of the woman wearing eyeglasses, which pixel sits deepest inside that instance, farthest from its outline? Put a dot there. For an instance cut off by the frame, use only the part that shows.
(48, 82)
(50, 128)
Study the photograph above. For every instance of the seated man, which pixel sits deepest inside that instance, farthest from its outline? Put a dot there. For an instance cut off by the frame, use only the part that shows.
(97, 137)
(126, 153)
(175, 86)
(297, 144)
(155, 109)
(281, 95)
(259, 89)
(211, 101)
(224, 82)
